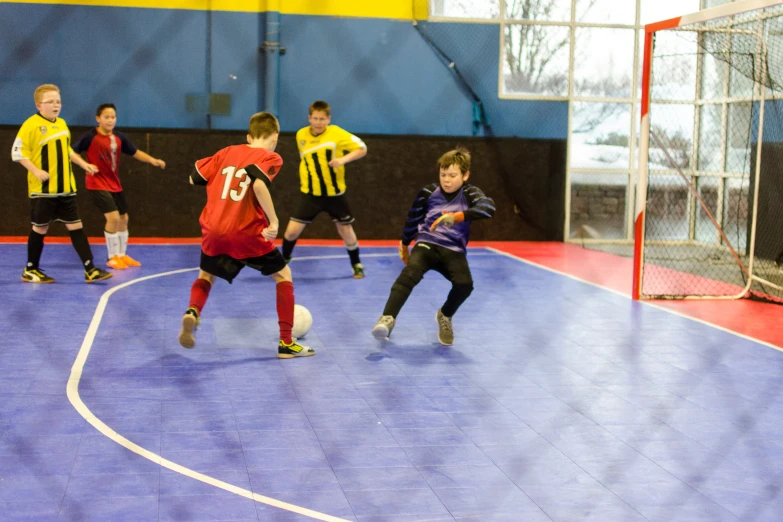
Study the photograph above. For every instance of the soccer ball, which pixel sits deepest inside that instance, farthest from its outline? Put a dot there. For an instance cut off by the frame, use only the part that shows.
(303, 321)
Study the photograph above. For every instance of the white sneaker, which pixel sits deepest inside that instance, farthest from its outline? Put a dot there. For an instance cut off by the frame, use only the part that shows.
(383, 328)
(445, 329)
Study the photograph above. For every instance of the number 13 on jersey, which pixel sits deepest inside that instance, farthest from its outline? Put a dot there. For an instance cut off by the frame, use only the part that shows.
(230, 173)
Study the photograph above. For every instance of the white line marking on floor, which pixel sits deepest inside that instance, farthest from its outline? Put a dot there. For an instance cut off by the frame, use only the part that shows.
(84, 411)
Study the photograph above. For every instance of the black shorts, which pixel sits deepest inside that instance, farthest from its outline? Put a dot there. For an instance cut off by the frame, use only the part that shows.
(336, 206)
(226, 267)
(109, 201)
(59, 208)
(450, 264)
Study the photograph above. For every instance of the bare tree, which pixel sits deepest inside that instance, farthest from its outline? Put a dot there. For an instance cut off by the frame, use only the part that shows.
(531, 49)
(679, 147)
(464, 8)
(536, 56)
(594, 114)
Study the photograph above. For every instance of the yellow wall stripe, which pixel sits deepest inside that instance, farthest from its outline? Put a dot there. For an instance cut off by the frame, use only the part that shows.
(395, 9)
(250, 6)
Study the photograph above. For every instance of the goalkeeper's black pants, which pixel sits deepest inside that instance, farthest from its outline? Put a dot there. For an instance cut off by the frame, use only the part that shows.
(451, 264)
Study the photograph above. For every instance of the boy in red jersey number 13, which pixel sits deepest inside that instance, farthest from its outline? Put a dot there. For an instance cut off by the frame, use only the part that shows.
(238, 225)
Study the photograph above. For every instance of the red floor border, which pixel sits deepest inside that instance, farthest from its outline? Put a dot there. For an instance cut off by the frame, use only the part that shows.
(196, 241)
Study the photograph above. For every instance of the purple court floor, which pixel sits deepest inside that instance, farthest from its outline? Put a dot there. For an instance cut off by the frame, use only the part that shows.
(559, 401)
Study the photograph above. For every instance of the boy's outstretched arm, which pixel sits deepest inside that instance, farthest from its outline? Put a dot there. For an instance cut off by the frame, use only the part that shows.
(351, 156)
(146, 158)
(88, 167)
(481, 206)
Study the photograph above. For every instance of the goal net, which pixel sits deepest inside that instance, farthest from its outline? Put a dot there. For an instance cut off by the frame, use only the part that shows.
(709, 217)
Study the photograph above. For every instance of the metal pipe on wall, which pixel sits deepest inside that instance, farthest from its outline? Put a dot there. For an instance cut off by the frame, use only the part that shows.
(208, 63)
(272, 50)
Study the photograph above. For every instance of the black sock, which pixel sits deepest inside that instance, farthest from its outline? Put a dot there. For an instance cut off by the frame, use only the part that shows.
(35, 244)
(399, 294)
(82, 246)
(354, 255)
(288, 248)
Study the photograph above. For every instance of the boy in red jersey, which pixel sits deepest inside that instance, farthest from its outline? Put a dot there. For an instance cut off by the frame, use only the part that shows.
(103, 147)
(238, 225)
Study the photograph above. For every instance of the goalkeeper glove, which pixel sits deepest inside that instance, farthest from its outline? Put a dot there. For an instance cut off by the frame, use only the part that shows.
(404, 253)
(448, 219)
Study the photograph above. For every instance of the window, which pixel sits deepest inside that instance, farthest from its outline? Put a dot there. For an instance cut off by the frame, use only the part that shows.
(465, 8)
(535, 59)
(589, 53)
(539, 10)
(603, 62)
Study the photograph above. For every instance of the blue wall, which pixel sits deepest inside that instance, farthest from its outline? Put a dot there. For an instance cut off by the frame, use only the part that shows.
(773, 121)
(103, 54)
(379, 75)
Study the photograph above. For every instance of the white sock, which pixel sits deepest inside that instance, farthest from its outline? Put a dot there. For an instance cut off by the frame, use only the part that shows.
(123, 235)
(112, 244)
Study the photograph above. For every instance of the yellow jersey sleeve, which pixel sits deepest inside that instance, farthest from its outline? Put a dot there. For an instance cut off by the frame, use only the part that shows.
(347, 141)
(301, 139)
(22, 148)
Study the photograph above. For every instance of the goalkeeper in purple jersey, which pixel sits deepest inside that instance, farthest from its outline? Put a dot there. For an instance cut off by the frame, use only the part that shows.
(439, 220)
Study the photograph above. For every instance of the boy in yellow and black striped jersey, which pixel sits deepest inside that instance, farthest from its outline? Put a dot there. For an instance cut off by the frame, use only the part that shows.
(324, 150)
(43, 147)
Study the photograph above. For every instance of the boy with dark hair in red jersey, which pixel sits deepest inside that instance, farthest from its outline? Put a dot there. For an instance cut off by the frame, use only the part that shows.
(103, 146)
(238, 225)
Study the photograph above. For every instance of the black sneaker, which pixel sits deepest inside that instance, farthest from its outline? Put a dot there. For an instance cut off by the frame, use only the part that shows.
(383, 328)
(358, 271)
(289, 351)
(96, 274)
(287, 260)
(445, 329)
(35, 275)
(190, 322)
